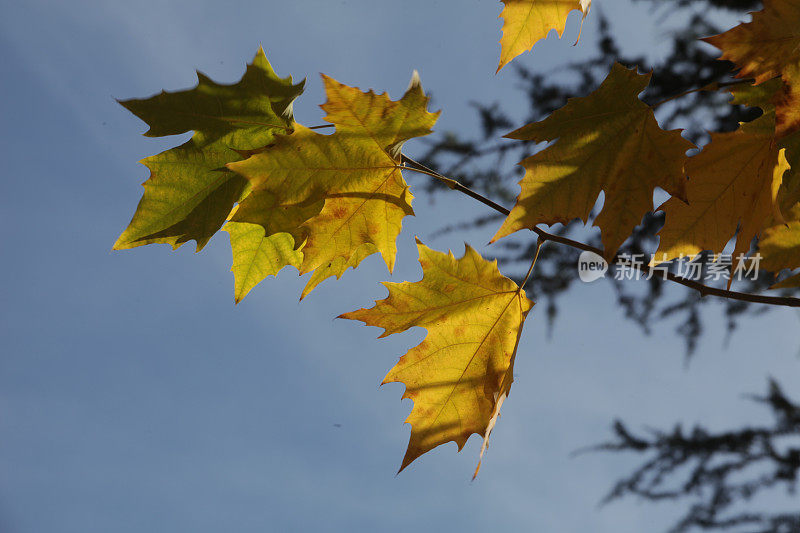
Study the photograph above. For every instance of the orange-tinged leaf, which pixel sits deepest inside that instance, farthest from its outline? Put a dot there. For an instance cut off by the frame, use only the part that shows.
(778, 102)
(354, 173)
(787, 103)
(525, 22)
(460, 374)
(766, 46)
(769, 47)
(608, 141)
(733, 183)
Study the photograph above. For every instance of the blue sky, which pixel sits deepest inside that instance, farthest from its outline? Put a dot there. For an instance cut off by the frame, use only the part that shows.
(134, 396)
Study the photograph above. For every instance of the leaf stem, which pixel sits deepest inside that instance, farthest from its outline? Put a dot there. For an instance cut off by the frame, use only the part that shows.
(539, 242)
(704, 290)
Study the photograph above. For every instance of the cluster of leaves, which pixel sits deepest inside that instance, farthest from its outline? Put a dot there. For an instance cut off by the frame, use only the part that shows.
(292, 197)
(610, 141)
(289, 196)
(718, 470)
(485, 165)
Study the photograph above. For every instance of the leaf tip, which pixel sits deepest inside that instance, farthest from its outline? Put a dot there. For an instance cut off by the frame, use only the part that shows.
(416, 82)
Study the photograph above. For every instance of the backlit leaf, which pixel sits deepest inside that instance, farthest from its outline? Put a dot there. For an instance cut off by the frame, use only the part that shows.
(769, 47)
(353, 175)
(608, 141)
(528, 21)
(190, 192)
(733, 183)
(460, 374)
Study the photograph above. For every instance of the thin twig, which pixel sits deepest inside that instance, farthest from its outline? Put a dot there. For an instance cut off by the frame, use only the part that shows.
(704, 290)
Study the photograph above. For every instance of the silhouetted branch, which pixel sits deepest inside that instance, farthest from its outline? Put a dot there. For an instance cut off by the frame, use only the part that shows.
(722, 472)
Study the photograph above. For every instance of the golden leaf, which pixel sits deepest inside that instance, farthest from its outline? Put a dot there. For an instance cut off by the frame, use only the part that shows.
(608, 141)
(525, 22)
(768, 47)
(733, 183)
(352, 175)
(460, 374)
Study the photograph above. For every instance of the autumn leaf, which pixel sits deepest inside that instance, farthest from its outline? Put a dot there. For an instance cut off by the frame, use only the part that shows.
(787, 103)
(608, 141)
(763, 97)
(462, 371)
(745, 180)
(779, 245)
(525, 22)
(337, 267)
(733, 183)
(190, 192)
(264, 237)
(769, 47)
(352, 175)
(387, 124)
(766, 46)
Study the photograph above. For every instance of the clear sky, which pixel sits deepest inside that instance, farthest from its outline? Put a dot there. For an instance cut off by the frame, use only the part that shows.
(134, 396)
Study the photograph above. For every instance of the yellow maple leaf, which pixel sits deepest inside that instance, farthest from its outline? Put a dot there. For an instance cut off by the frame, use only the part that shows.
(525, 22)
(733, 183)
(764, 96)
(780, 244)
(353, 175)
(779, 247)
(608, 141)
(264, 238)
(337, 267)
(462, 371)
(766, 47)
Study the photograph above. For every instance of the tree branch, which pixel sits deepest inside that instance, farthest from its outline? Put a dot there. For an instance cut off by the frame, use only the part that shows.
(704, 290)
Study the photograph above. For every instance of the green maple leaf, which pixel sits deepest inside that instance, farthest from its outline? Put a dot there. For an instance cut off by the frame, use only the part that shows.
(190, 192)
